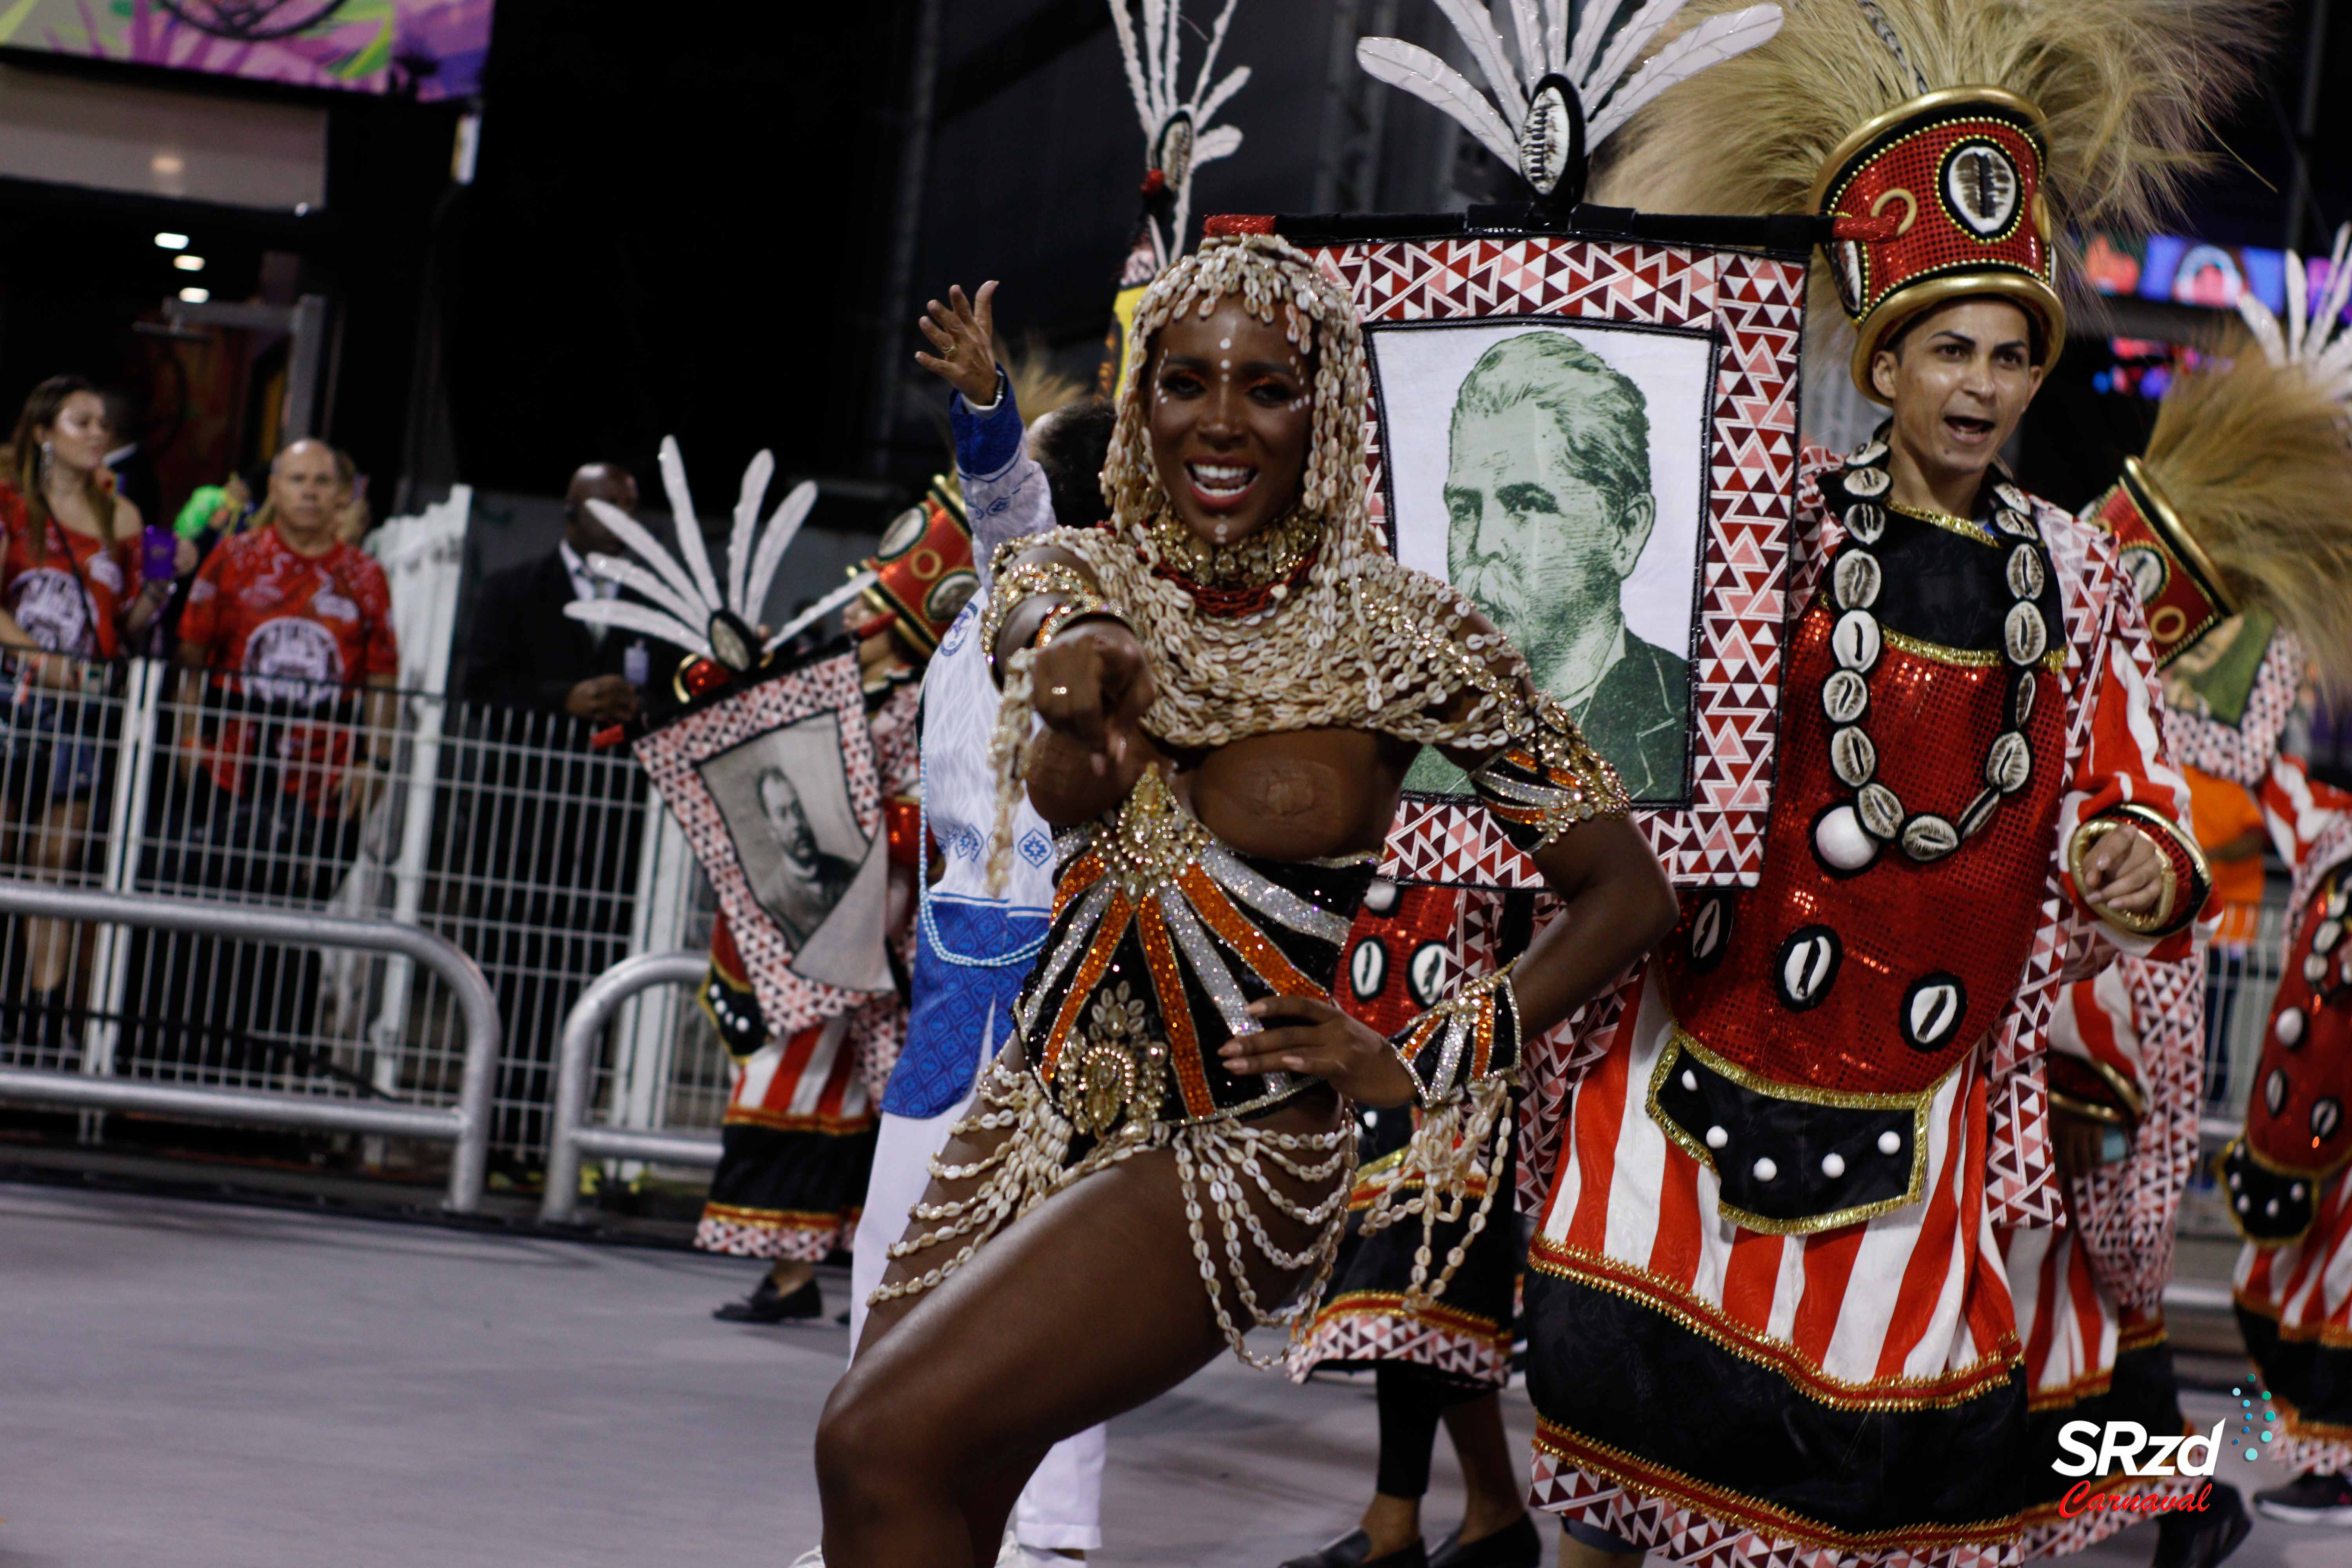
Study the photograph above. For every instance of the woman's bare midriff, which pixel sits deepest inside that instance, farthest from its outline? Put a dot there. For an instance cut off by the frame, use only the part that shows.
(1301, 795)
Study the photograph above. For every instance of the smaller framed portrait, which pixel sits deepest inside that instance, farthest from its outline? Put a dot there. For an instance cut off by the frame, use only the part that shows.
(777, 789)
(2229, 695)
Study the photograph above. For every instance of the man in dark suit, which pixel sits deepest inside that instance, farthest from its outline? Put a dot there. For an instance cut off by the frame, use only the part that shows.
(550, 826)
(525, 651)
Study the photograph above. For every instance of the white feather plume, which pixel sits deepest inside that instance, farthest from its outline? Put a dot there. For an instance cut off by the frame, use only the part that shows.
(821, 608)
(1432, 80)
(1610, 83)
(1710, 43)
(648, 586)
(2313, 336)
(690, 548)
(642, 619)
(783, 527)
(739, 540)
(1150, 49)
(676, 592)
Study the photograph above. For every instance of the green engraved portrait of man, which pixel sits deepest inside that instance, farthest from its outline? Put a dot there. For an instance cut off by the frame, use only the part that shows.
(1549, 507)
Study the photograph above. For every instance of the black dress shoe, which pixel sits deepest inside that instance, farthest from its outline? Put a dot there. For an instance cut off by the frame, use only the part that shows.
(1516, 1545)
(2203, 1538)
(1353, 1551)
(769, 1305)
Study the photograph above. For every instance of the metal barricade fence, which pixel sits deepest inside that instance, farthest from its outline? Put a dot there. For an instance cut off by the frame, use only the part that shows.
(501, 829)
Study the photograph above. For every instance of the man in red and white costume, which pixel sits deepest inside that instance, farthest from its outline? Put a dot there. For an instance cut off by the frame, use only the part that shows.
(1768, 1311)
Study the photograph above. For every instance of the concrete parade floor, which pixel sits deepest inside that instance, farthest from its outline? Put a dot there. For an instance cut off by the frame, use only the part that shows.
(214, 1386)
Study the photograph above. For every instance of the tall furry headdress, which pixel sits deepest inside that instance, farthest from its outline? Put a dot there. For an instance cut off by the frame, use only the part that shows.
(2250, 453)
(2125, 88)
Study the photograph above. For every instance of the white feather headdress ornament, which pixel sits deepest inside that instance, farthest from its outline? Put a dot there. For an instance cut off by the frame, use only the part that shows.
(2313, 338)
(683, 602)
(1176, 132)
(1565, 94)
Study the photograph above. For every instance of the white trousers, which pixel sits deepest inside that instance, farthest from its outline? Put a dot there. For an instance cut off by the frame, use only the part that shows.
(1061, 1508)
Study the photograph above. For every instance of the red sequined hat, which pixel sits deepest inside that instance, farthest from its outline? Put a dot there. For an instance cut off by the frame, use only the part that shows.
(923, 572)
(2180, 591)
(1944, 194)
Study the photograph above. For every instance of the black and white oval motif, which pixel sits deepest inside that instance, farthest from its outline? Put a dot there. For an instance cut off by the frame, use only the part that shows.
(1856, 578)
(1806, 966)
(1865, 522)
(1851, 757)
(2325, 1118)
(1855, 640)
(1544, 138)
(1367, 969)
(1849, 274)
(2315, 969)
(2013, 522)
(2338, 899)
(1979, 812)
(1710, 933)
(905, 532)
(1932, 1010)
(2025, 574)
(2024, 635)
(1880, 809)
(2289, 1027)
(1424, 974)
(1846, 697)
(1869, 452)
(2148, 569)
(1928, 836)
(1980, 186)
(2274, 1089)
(2010, 763)
(1380, 894)
(2329, 933)
(2021, 703)
(1868, 483)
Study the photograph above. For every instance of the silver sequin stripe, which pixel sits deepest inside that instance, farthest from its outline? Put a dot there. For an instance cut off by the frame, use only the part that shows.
(1209, 967)
(1270, 898)
(1449, 1058)
(1082, 930)
(1518, 792)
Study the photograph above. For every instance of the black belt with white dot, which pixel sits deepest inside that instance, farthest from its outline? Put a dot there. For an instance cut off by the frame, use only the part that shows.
(1793, 1162)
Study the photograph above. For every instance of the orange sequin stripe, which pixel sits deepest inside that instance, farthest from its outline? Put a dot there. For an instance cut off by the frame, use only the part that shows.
(1175, 1011)
(1083, 874)
(1216, 911)
(1082, 983)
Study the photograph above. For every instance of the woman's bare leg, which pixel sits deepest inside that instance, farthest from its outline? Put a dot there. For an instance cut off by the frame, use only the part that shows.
(1088, 1306)
(57, 843)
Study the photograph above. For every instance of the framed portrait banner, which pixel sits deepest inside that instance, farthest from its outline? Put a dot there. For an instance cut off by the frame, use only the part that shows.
(1595, 439)
(777, 789)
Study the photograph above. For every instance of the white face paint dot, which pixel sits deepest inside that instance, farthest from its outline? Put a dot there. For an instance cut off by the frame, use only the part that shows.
(1765, 1170)
(1690, 1081)
(1833, 1167)
(1717, 1137)
(1890, 1143)
(2245, 1204)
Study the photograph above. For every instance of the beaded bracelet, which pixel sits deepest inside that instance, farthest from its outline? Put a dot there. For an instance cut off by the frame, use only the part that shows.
(1063, 613)
(1017, 587)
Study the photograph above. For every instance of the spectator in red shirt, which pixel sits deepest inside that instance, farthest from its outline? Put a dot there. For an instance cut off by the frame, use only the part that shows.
(69, 586)
(290, 619)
